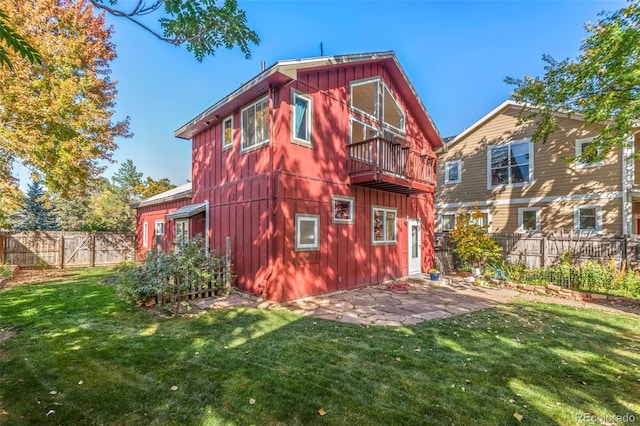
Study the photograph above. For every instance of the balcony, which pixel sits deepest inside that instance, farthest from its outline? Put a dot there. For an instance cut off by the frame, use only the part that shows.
(391, 166)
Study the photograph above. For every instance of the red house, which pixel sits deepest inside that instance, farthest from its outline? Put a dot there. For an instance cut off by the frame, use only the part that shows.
(321, 171)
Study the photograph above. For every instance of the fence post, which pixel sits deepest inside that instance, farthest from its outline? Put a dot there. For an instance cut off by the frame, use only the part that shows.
(92, 250)
(61, 251)
(3, 256)
(227, 264)
(543, 251)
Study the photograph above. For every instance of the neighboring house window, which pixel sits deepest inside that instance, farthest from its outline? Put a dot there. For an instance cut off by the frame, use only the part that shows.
(447, 221)
(301, 109)
(182, 232)
(384, 225)
(255, 125)
(145, 234)
(364, 97)
(452, 172)
(582, 147)
(227, 132)
(342, 209)
(510, 164)
(529, 219)
(307, 232)
(588, 218)
(482, 219)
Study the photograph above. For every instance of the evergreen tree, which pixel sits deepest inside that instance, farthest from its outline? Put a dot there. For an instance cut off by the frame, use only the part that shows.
(36, 215)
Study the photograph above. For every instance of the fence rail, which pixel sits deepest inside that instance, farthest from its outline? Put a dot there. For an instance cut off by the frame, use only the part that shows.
(540, 250)
(62, 249)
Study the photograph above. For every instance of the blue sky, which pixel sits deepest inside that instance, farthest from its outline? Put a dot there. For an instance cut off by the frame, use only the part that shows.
(456, 54)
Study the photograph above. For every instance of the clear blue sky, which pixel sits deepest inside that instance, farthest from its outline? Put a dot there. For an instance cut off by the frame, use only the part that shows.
(456, 53)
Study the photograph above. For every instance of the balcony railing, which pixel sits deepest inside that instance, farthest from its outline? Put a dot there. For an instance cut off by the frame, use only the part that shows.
(391, 166)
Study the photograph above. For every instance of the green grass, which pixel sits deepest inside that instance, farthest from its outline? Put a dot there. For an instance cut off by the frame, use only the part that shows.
(111, 363)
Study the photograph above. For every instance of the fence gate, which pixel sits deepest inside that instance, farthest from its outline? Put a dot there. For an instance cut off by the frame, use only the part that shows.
(77, 251)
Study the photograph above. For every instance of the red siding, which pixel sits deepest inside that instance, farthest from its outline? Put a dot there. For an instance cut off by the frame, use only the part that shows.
(151, 214)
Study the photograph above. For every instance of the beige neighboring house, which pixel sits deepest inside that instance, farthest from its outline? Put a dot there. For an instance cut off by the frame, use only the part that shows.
(523, 187)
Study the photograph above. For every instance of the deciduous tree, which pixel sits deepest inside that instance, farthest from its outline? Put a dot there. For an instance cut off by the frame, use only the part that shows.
(153, 187)
(602, 84)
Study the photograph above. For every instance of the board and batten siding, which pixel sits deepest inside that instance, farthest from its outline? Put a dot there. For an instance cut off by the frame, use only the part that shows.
(557, 185)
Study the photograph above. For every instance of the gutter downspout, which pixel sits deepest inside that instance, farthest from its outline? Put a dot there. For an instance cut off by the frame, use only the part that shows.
(628, 172)
(206, 226)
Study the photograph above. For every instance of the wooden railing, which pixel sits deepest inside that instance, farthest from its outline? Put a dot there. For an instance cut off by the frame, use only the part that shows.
(379, 157)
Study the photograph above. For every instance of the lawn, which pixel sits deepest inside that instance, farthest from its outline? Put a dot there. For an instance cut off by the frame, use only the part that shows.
(73, 353)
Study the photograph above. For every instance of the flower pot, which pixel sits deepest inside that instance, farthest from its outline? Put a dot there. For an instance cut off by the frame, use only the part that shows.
(435, 276)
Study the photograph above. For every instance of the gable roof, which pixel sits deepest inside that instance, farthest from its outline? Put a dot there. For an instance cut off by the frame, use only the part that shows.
(283, 72)
(177, 193)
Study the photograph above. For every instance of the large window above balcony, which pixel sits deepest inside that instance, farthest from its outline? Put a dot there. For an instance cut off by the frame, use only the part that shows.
(364, 97)
(373, 99)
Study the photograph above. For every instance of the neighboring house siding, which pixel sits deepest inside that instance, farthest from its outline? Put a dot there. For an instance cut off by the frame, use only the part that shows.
(556, 187)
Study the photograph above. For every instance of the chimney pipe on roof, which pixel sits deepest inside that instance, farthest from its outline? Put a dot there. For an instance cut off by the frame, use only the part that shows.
(263, 66)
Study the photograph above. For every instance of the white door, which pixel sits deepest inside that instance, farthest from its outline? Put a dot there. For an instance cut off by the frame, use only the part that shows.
(415, 265)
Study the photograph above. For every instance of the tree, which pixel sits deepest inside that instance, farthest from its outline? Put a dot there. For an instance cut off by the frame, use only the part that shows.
(72, 211)
(128, 180)
(109, 212)
(16, 42)
(36, 215)
(602, 84)
(57, 119)
(199, 24)
(154, 187)
(472, 243)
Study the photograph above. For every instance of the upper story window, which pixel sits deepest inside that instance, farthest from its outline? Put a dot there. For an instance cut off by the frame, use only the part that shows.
(227, 132)
(300, 117)
(255, 125)
(585, 148)
(373, 99)
(510, 164)
(453, 172)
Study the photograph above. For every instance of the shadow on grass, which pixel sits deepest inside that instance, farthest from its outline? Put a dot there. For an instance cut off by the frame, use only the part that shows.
(112, 364)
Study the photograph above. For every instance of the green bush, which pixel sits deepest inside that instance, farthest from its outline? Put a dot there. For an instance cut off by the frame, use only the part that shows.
(5, 271)
(168, 275)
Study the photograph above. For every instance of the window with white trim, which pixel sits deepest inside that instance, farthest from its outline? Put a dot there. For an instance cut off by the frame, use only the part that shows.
(588, 218)
(307, 232)
(510, 164)
(342, 209)
(373, 99)
(392, 114)
(447, 221)
(159, 227)
(383, 225)
(453, 172)
(364, 97)
(255, 125)
(301, 114)
(227, 132)
(529, 219)
(182, 232)
(585, 147)
(145, 234)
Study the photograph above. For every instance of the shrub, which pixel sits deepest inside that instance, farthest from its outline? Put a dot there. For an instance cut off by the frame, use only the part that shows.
(5, 271)
(472, 243)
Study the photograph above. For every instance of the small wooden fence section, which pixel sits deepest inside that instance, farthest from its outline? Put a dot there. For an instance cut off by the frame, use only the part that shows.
(541, 250)
(62, 249)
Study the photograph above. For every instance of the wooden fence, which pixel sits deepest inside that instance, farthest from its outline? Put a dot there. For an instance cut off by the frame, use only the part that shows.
(62, 249)
(540, 250)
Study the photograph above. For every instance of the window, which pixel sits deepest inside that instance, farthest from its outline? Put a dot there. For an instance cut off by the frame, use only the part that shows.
(159, 227)
(145, 234)
(510, 164)
(360, 132)
(590, 152)
(300, 117)
(342, 209)
(392, 113)
(452, 172)
(255, 125)
(182, 232)
(364, 97)
(481, 219)
(384, 225)
(588, 218)
(529, 219)
(447, 221)
(227, 132)
(307, 232)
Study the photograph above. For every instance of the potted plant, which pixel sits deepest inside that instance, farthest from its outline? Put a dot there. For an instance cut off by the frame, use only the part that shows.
(434, 274)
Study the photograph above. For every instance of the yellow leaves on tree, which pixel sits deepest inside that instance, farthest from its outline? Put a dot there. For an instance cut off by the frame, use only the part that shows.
(472, 243)
(56, 118)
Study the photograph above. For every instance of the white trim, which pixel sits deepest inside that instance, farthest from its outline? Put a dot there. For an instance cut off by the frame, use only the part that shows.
(145, 234)
(385, 210)
(377, 106)
(225, 145)
(155, 228)
(580, 165)
(508, 145)
(447, 213)
(447, 166)
(316, 232)
(576, 217)
(298, 94)
(456, 213)
(418, 268)
(365, 124)
(260, 144)
(351, 201)
(533, 200)
(402, 130)
(521, 211)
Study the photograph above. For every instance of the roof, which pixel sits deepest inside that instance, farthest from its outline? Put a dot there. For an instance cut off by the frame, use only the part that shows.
(177, 193)
(187, 211)
(283, 72)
